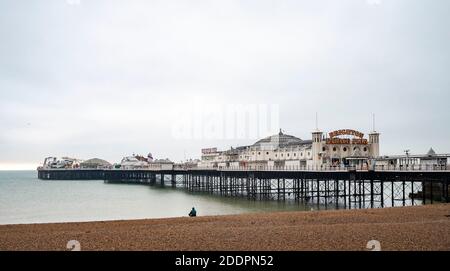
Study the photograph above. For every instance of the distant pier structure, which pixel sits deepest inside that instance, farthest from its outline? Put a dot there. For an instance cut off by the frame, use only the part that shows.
(325, 189)
(339, 169)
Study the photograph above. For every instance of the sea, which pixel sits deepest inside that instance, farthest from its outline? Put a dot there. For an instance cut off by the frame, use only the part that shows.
(25, 199)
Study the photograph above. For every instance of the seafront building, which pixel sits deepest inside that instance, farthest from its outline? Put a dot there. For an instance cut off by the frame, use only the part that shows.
(344, 147)
(430, 160)
(336, 149)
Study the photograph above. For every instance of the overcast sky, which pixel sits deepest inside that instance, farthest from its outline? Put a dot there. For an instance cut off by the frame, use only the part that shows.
(112, 78)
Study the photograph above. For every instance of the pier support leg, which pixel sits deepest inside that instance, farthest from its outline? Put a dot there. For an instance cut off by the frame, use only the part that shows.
(404, 192)
(153, 179)
(392, 194)
(424, 200)
(174, 180)
(447, 199)
(431, 192)
(371, 193)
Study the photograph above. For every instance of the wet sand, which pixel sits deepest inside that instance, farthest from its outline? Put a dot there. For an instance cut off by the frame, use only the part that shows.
(401, 228)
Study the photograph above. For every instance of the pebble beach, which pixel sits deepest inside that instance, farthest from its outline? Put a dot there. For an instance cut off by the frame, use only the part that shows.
(399, 228)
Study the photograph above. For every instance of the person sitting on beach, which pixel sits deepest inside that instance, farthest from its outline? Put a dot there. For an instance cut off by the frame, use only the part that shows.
(193, 212)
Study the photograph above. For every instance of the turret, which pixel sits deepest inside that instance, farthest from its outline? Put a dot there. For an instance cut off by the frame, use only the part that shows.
(317, 145)
(374, 141)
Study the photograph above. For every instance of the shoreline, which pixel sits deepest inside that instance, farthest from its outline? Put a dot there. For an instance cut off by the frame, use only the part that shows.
(399, 228)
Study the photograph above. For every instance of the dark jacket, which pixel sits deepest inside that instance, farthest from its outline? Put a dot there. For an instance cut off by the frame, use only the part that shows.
(193, 212)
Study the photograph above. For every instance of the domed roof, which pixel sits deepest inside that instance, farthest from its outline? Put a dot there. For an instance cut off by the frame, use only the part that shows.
(96, 161)
(163, 161)
(279, 140)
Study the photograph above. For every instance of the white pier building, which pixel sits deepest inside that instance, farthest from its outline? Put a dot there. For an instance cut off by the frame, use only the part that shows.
(339, 148)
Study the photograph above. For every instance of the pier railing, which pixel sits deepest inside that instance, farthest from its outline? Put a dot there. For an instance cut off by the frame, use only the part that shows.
(417, 168)
(331, 168)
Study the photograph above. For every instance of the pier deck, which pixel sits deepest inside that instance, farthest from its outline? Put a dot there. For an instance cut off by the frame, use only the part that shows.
(323, 189)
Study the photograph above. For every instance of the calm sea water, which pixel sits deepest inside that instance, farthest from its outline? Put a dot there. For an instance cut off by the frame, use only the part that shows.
(26, 199)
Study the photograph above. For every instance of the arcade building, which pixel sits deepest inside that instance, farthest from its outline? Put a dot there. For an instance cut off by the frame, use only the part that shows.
(344, 147)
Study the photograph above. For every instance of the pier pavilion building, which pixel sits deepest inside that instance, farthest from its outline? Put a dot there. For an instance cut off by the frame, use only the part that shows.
(429, 161)
(344, 147)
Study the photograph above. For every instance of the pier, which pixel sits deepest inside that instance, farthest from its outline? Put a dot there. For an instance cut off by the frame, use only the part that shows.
(71, 174)
(323, 189)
